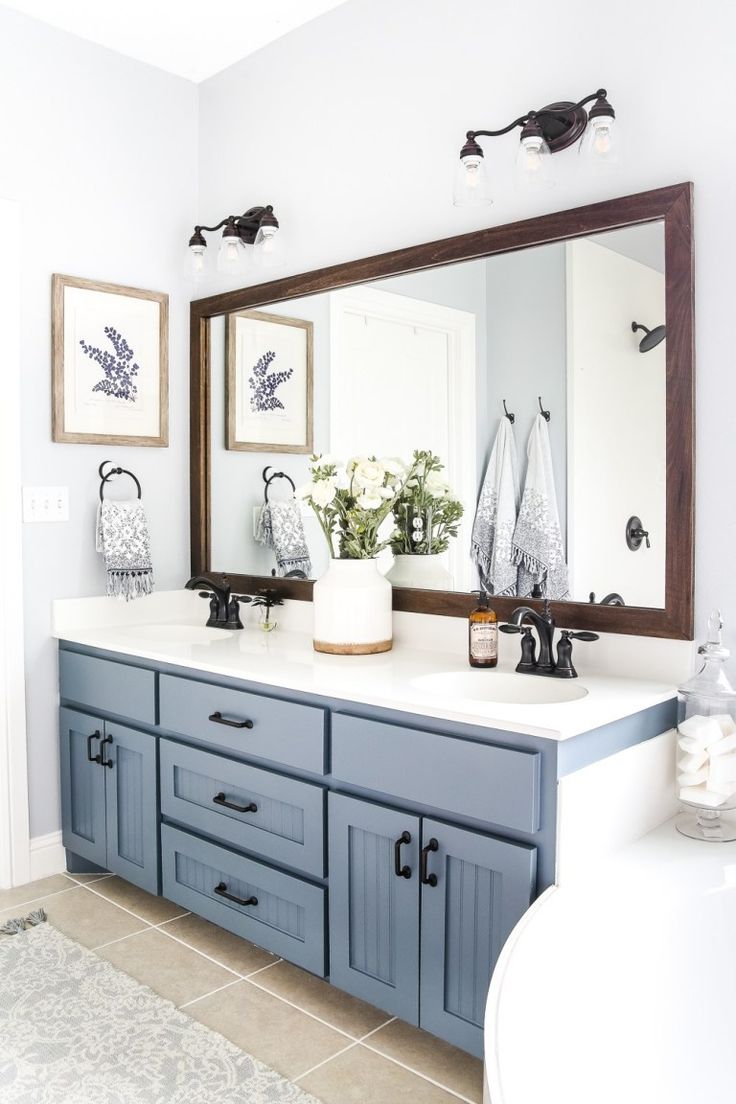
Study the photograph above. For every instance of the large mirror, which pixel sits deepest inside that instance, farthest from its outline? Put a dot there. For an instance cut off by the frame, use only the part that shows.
(529, 389)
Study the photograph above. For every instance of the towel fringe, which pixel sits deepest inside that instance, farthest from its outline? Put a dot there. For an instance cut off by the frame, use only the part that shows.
(129, 584)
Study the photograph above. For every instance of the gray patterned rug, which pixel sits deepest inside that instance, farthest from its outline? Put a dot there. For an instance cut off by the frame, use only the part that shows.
(74, 1030)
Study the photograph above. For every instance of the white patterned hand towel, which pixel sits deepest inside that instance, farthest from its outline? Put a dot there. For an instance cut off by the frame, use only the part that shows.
(538, 547)
(281, 529)
(495, 516)
(123, 540)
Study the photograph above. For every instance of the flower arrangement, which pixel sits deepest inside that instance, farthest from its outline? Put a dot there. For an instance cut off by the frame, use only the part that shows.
(426, 512)
(351, 502)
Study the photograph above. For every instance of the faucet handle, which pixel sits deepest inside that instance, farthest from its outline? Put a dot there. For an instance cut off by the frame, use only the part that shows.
(580, 635)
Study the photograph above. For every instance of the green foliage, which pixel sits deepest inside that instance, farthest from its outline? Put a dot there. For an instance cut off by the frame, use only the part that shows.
(426, 513)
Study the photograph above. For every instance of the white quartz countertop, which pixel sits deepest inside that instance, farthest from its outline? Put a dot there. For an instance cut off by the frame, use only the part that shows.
(622, 985)
(155, 629)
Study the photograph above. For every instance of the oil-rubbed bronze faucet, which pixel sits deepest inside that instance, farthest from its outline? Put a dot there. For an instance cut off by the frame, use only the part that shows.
(544, 623)
(224, 605)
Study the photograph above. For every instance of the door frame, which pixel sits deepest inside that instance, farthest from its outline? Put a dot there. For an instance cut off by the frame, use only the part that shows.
(15, 843)
(459, 328)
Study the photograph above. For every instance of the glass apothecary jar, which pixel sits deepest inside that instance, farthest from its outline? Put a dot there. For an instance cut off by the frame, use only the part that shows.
(706, 745)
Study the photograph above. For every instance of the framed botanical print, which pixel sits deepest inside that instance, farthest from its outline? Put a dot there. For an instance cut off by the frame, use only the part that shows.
(269, 383)
(110, 364)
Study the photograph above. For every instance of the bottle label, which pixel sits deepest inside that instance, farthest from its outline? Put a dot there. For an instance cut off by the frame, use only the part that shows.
(484, 641)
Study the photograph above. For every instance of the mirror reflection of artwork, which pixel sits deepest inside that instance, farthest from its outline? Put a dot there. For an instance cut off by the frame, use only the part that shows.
(269, 381)
(110, 363)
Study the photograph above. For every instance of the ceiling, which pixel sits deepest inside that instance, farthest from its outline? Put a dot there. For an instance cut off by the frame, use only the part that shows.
(185, 37)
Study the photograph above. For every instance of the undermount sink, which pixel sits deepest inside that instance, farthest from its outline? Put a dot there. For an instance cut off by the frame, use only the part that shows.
(504, 689)
(176, 633)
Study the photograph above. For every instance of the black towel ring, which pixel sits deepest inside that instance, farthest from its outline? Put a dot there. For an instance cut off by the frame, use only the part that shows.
(545, 413)
(115, 471)
(268, 479)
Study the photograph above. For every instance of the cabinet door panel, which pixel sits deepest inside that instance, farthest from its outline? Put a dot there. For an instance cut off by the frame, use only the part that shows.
(484, 886)
(132, 813)
(82, 786)
(374, 915)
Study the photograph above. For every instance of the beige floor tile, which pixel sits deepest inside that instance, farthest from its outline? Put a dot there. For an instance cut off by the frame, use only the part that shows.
(19, 895)
(321, 999)
(153, 909)
(84, 879)
(84, 917)
(228, 949)
(425, 1053)
(285, 1039)
(175, 972)
(360, 1076)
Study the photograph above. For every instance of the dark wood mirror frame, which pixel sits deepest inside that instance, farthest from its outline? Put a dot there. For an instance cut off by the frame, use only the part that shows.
(674, 206)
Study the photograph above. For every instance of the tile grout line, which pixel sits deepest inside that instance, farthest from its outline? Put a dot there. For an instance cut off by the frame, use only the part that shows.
(135, 915)
(344, 1050)
(410, 1069)
(76, 877)
(235, 981)
(120, 939)
(247, 977)
(298, 1008)
(41, 897)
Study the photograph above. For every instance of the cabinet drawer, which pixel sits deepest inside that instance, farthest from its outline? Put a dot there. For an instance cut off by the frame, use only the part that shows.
(493, 784)
(103, 684)
(287, 825)
(280, 731)
(288, 918)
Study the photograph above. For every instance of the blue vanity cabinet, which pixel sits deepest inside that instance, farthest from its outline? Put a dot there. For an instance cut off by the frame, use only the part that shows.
(109, 797)
(393, 876)
(374, 913)
(476, 887)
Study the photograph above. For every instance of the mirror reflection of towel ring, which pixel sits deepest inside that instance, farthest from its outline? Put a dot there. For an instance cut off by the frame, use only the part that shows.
(268, 479)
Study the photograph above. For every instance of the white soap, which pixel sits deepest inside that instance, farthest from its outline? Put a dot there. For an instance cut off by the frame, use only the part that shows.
(689, 744)
(727, 723)
(698, 795)
(693, 762)
(728, 743)
(706, 730)
(722, 769)
(694, 778)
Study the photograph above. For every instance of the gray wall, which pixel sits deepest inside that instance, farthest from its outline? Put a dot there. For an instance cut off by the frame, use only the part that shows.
(99, 151)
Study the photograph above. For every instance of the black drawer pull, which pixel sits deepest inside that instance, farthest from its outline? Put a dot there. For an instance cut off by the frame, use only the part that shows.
(428, 879)
(221, 889)
(218, 718)
(220, 799)
(399, 870)
(103, 761)
(93, 736)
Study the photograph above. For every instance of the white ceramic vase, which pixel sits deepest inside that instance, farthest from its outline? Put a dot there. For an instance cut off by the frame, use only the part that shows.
(421, 572)
(352, 609)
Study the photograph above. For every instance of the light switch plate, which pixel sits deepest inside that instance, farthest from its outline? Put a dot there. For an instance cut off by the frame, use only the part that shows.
(45, 504)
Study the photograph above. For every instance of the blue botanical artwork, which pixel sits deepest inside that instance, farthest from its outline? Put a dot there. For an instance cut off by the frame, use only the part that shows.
(120, 369)
(263, 385)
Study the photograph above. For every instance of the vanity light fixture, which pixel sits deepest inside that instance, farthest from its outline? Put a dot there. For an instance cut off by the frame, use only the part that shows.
(543, 132)
(257, 228)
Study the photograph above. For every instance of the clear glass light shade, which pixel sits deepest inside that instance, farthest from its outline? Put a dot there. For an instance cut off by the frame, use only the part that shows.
(269, 248)
(533, 164)
(231, 256)
(197, 260)
(472, 187)
(599, 145)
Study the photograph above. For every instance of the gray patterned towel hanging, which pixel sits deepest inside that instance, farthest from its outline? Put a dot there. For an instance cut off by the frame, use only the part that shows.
(495, 517)
(538, 547)
(280, 528)
(125, 544)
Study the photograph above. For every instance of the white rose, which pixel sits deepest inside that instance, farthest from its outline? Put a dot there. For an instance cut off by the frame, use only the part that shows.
(436, 485)
(393, 466)
(304, 491)
(323, 492)
(370, 499)
(386, 492)
(369, 473)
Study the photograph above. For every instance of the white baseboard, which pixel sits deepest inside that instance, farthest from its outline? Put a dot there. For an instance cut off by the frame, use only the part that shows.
(47, 856)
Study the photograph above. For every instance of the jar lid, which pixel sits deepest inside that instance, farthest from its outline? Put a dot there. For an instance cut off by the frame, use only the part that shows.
(714, 648)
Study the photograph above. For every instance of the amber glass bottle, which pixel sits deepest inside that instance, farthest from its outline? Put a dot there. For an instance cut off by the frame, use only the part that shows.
(483, 633)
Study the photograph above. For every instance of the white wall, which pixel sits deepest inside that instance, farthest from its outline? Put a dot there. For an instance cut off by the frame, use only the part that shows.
(351, 125)
(101, 153)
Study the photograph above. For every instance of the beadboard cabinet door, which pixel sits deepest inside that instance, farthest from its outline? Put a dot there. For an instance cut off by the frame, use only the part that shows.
(83, 827)
(131, 801)
(477, 887)
(374, 913)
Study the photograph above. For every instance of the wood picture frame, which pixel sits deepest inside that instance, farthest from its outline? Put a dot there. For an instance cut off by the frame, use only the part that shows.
(96, 405)
(297, 432)
(674, 206)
